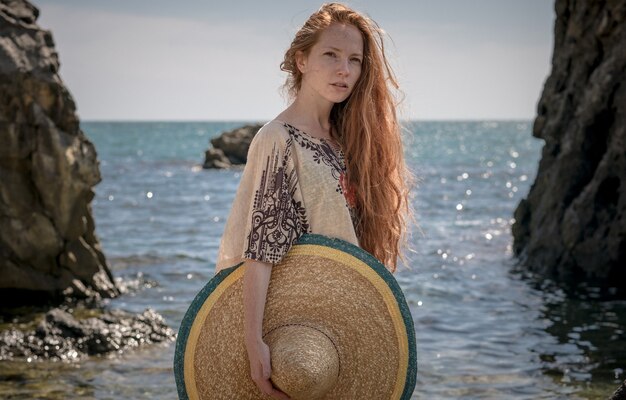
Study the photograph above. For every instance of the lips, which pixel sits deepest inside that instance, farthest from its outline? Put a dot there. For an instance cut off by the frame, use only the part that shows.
(340, 84)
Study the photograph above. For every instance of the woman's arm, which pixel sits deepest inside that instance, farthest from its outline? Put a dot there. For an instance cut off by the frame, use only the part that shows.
(255, 283)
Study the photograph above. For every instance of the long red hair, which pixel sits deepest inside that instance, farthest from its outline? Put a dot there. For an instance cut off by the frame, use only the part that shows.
(368, 130)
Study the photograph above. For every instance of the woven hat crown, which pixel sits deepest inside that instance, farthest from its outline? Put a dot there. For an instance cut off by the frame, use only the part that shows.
(305, 361)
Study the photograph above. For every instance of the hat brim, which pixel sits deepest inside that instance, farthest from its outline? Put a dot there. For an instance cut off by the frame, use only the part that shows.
(355, 300)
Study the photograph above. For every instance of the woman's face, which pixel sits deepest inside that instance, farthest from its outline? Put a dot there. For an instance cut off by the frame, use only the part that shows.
(333, 65)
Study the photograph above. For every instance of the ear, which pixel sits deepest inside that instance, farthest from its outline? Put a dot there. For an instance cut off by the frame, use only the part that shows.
(301, 61)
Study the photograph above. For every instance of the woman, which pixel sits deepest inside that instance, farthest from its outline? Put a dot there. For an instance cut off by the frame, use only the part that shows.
(331, 163)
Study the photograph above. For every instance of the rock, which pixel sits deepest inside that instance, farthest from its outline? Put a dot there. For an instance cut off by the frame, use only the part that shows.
(620, 393)
(215, 158)
(231, 148)
(572, 225)
(48, 247)
(61, 336)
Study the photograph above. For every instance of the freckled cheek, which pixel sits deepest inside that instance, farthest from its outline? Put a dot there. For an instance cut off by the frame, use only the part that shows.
(356, 74)
(318, 70)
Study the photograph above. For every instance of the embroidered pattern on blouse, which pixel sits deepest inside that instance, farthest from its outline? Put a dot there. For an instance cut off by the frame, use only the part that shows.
(323, 153)
(277, 219)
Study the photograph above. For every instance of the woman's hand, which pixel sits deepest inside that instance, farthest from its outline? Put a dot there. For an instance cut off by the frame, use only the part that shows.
(260, 369)
(255, 282)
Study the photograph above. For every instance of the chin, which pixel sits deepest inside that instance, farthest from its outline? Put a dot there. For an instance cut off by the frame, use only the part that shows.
(339, 99)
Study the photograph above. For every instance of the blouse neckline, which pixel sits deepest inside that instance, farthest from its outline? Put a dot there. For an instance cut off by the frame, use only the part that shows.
(329, 141)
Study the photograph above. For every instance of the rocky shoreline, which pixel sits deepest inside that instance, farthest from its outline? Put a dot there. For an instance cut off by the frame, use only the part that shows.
(61, 336)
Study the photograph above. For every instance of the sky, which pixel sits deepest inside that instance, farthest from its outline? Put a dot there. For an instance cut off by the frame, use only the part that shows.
(139, 60)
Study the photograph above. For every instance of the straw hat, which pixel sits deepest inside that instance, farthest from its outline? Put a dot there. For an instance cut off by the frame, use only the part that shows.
(335, 319)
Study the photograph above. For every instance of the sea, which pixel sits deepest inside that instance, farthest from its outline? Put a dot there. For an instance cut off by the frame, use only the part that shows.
(485, 328)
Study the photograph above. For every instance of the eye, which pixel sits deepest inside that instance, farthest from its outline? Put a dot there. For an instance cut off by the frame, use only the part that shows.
(329, 53)
(357, 60)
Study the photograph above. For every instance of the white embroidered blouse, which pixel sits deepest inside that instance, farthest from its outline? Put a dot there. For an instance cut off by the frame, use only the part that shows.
(293, 183)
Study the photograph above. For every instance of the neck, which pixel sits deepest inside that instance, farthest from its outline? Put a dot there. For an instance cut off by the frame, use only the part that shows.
(312, 111)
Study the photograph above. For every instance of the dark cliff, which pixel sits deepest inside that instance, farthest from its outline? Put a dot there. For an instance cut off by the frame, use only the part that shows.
(572, 225)
(48, 248)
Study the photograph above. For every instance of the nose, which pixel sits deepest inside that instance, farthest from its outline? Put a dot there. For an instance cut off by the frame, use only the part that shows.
(344, 67)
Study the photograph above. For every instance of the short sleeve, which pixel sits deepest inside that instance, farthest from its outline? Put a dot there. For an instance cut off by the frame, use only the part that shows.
(276, 216)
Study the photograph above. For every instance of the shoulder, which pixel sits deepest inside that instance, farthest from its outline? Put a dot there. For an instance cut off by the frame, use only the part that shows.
(270, 134)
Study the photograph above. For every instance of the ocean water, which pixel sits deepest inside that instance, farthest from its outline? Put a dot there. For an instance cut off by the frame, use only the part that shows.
(485, 329)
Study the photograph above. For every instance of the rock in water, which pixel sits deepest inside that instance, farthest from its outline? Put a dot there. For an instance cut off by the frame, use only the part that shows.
(230, 148)
(61, 336)
(572, 225)
(48, 247)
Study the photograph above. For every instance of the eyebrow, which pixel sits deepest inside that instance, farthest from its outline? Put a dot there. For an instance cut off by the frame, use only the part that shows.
(334, 48)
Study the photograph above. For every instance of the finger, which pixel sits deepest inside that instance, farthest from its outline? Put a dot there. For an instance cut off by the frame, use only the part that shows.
(265, 386)
(267, 371)
(256, 370)
(277, 394)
